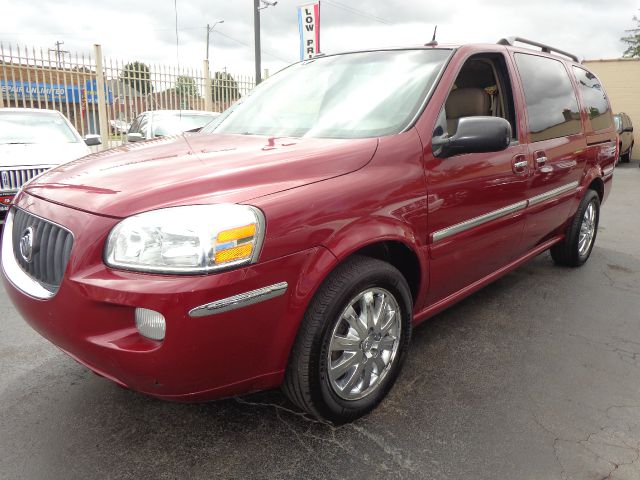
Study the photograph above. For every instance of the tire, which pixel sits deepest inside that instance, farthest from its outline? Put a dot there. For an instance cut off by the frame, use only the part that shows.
(571, 252)
(314, 380)
(626, 158)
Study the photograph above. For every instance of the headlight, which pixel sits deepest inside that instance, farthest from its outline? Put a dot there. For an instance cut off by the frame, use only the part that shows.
(191, 239)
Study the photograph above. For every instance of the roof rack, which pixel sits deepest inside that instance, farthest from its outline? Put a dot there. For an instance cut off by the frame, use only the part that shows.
(545, 48)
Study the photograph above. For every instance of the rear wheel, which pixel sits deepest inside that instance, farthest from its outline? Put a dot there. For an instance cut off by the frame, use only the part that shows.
(626, 158)
(576, 247)
(352, 341)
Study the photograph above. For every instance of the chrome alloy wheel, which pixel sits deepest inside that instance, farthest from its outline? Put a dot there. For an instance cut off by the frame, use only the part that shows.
(364, 343)
(587, 229)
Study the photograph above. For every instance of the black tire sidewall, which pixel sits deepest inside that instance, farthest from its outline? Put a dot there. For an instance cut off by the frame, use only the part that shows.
(333, 407)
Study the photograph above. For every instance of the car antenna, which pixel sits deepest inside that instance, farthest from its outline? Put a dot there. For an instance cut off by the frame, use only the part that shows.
(433, 42)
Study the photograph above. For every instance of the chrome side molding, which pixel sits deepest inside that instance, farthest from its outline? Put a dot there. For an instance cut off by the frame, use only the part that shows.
(474, 222)
(552, 193)
(501, 212)
(240, 300)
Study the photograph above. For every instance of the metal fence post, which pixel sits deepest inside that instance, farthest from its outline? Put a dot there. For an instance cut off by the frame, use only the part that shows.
(101, 96)
(208, 98)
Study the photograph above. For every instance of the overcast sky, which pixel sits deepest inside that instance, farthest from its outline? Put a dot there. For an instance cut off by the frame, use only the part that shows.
(145, 30)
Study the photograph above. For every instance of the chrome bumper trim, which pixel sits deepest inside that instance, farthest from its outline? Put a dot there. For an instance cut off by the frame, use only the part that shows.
(12, 270)
(552, 193)
(240, 300)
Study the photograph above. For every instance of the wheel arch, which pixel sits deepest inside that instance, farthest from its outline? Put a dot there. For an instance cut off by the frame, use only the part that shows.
(597, 184)
(388, 240)
(401, 256)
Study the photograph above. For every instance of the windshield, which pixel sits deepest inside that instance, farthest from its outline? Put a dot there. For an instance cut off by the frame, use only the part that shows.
(165, 124)
(33, 127)
(356, 95)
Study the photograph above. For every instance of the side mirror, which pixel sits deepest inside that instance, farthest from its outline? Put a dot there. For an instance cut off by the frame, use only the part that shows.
(475, 135)
(134, 137)
(628, 129)
(92, 140)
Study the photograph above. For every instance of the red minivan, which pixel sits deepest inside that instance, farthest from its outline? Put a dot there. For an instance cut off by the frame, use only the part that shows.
(301, 236)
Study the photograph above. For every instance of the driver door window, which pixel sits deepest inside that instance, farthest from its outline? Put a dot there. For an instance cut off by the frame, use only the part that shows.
(476, 213)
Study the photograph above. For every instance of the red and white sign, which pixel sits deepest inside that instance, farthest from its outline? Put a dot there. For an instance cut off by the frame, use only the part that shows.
(5, 202)
(309, 25)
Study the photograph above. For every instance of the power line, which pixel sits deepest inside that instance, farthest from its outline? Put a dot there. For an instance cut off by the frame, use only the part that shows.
(355, 11)
(217, 32)
(271, 54)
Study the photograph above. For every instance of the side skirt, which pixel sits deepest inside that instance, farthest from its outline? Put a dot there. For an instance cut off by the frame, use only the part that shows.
(446, 302)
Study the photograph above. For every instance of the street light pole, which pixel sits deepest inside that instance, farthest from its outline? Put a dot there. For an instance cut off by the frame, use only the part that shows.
(209, 30)
(256, 33)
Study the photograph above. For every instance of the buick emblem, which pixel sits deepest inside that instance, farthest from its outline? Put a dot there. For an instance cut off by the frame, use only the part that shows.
(26, 245)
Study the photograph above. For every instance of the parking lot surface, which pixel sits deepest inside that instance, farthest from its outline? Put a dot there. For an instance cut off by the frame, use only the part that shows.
(535, 377)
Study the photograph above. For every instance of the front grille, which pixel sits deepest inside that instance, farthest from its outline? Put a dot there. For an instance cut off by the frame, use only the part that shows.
(51, 248)
(12, 180)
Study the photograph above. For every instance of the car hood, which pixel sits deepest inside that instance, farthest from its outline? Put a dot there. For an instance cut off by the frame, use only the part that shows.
(197, 169)
(31, 154)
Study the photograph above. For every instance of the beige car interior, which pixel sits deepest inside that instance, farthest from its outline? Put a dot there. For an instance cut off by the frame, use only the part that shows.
(477, 91)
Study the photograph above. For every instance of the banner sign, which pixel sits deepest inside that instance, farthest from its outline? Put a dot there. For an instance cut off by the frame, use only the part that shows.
(309, 26)
(52, 92)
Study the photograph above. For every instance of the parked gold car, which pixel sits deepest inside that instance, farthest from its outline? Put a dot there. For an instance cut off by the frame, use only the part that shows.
(625, 130)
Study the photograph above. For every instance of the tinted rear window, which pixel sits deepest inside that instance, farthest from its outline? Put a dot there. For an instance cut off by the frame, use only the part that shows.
(594, 99)
(552, 106)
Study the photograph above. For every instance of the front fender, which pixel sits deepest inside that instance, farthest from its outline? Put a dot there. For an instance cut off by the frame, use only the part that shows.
(370, 231)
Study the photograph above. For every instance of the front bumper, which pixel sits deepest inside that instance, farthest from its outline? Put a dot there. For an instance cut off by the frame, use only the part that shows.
(202, 357)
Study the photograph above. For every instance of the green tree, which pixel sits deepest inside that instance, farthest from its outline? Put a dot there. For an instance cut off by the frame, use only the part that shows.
(224, 88)
(136, 74)
(186, 86)
(632, 39)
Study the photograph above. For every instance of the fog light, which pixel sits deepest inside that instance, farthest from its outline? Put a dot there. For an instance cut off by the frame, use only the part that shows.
(150, 324)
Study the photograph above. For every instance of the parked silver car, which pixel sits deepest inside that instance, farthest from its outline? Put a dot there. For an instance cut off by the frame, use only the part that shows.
(163, 123)
(31, 142)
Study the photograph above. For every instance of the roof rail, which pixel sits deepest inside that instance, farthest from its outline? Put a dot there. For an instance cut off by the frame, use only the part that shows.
(545, 48)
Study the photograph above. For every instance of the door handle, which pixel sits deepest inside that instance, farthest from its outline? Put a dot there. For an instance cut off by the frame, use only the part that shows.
(541, 158)
(520, 164)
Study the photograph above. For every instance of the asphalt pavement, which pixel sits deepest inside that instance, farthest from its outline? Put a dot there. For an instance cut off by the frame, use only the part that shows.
(536, 376)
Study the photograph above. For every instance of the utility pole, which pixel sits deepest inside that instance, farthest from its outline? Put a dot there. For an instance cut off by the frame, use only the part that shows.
(256, 33)
(209, 30)
(59, 53)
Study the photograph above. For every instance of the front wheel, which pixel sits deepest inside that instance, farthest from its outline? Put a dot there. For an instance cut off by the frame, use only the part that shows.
(576, 247)
(352, 341)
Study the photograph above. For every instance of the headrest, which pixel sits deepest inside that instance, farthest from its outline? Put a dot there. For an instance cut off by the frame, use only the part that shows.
(468, 102)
